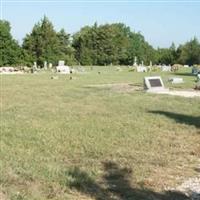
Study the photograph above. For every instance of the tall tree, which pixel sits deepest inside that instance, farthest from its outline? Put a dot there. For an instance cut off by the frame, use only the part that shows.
(10, 50)
(42, 44)
(110, 43)
(82, 45)
(66, 51)
(140, 48)
(189, 53)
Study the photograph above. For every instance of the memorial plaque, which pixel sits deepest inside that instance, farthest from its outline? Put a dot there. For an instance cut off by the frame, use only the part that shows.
(155, 83)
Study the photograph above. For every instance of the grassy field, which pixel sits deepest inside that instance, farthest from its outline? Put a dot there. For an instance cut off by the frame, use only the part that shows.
(69, 139)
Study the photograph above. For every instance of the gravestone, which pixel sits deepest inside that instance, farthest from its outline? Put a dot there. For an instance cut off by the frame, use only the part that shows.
(34, 68)
(61, 63)
(195, 70)
(141, 69)
(153, 84)
(135, 62)
(50, 65)
(176, 80)
(62, 68)
(45, 65)
(198, 77)
(197, 87)
(166, 68)
(35, 64)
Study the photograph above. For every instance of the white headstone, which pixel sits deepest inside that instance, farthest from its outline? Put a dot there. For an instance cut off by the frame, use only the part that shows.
(166, 68)
(198, 77)
(141, 69)
(50, 65)
(34, 69)
(45, 64)
(63, 69)
(176, 80)
(61, 63)
(135, 61)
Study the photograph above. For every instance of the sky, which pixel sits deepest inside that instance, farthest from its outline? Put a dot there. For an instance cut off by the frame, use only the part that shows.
(160, 21)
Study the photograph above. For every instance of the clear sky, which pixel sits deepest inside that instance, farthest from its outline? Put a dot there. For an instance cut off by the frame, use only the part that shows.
(160, 21)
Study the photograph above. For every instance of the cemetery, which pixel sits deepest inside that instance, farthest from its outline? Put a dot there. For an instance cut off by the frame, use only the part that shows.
(139, 120)
(104, 111)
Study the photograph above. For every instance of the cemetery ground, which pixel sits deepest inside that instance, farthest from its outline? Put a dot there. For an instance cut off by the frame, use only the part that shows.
(69, 139)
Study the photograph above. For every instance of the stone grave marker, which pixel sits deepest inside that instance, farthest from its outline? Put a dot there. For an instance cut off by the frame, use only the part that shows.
(195, 70)
(166, 68)
(45, 65)
(61, 63)
(176, 80)
(141, 69)
(50, 65)
(62, 68)
(198, 77)
(135, 62)
(153, 84)
(34, 68)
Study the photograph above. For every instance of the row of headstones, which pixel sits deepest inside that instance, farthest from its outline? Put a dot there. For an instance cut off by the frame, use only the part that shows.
(60, 68)
(142, 68)
(164, 68)
(35, 67)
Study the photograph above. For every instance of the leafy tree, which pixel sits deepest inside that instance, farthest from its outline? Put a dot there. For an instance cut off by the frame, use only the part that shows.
(66, 51)
(189, 53)
(166, 55)
(140, 48)
(110, 43)
(92, 45)
(10, 50)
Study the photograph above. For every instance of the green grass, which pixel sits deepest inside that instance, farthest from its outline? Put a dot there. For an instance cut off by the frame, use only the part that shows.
(62, 139)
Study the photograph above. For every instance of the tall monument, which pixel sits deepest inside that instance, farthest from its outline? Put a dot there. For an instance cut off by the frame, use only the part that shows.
(135, 62)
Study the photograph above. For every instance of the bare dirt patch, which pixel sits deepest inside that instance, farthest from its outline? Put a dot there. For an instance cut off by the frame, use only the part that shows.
(129, 87)
(119, 87)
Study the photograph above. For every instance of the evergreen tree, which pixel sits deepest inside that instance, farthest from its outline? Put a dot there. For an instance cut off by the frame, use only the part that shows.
(42, 44)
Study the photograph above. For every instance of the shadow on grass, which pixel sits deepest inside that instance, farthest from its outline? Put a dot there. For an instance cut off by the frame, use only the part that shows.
(183, 74)
(116, 185)
(180, 118)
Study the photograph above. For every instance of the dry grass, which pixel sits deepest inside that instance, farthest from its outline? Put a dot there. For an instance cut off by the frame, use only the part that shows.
(61, 139)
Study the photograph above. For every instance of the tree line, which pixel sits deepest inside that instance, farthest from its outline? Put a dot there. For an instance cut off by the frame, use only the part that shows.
(93, 45)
